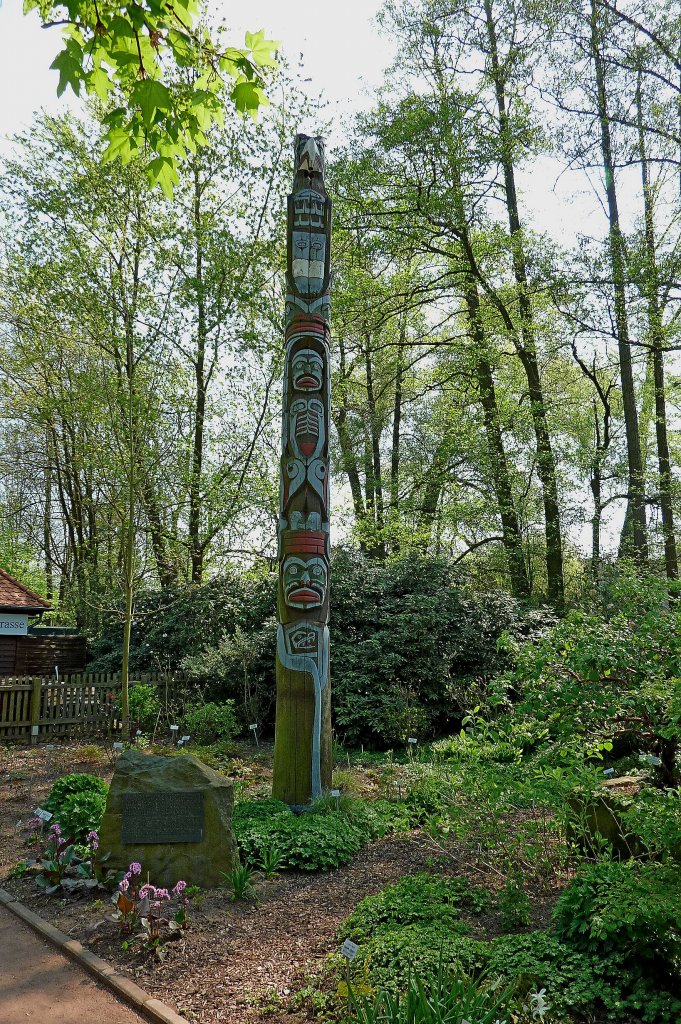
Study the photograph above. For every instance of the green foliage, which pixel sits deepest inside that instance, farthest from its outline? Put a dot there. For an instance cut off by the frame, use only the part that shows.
(144, 707)
(514, 906)
(210, 723)
(393, 955)
(408, 641)
(121, 54)
(446, 998)
(76, 784)
(585, 985)
(415, 898)
(614, 678)
(164, 633)
(574, 981)
(630, 909)
(77, 802)
(404, 631)
(430, 792)
(654, 818)
(317, 840)
(271, 861)
(258, 810)
(81, 813)
(240, 882)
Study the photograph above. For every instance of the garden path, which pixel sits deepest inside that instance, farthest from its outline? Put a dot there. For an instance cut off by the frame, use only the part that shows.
(38, 984)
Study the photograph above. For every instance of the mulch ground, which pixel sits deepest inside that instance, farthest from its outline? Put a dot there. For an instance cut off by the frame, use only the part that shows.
(236, 962)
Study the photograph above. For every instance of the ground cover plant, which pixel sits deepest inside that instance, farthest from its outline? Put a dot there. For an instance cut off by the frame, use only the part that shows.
(320, 839)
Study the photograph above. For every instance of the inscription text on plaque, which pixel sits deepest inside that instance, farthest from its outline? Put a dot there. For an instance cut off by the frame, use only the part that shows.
(170, 817)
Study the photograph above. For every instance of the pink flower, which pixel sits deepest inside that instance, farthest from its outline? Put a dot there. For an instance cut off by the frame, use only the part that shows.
(93, 840)
(124, 885)
(135, 868)
(179, 888)
(147, 890)
(55, 829)
(162, 894)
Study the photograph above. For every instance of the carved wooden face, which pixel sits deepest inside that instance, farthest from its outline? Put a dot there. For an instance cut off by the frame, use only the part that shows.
(304, 581)
(307, 370)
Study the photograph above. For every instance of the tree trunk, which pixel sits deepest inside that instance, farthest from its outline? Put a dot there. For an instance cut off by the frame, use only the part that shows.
(546, 466)
(517, 571)
(195, 547)
(636, 485)
(374, 459)
(651, 277)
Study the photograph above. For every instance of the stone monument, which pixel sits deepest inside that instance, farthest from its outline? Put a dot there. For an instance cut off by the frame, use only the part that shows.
(173, 815)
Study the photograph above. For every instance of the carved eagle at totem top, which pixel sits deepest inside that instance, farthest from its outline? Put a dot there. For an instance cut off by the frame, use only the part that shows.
(309, 154)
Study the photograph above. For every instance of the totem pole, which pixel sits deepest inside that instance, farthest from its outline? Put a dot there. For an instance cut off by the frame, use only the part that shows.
(302, 745)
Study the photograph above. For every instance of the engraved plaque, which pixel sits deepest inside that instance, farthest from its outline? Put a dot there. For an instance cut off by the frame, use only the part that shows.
(170, 817)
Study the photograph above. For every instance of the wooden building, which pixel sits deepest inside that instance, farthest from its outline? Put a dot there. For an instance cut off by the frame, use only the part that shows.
(27, 653)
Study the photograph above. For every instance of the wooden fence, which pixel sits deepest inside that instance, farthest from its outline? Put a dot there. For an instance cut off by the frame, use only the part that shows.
(42, 707)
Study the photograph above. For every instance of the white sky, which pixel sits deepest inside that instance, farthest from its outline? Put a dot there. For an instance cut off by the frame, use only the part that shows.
(343, 53)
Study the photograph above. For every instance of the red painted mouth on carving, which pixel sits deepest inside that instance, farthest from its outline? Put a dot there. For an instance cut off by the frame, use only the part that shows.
(307, 382)
(304, 595)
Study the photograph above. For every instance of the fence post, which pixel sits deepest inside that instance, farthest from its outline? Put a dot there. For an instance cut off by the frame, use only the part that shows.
(36, 694)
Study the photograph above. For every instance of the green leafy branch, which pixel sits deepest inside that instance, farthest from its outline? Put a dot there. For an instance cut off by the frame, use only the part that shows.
(127, 53)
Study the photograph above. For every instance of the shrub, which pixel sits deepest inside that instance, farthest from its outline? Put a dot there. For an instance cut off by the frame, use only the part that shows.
(247, 811)
(575, 982)
(626, 908)
(81, 813)
(405, 637)
(654, 818)
(615, 676)
(514, 906)
(208, 723)
(587, 986)
(76, 784)
(144, 707)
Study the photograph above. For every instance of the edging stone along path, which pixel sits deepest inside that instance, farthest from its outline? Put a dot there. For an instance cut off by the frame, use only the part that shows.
(102, 972)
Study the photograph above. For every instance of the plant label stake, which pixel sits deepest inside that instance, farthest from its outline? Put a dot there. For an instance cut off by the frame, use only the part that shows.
(336, 793)
(118, 745)
(43, 814)
(349, 950)
(302, 741)
(254, 730)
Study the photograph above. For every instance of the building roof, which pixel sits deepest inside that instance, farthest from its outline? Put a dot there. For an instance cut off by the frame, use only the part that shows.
(15, 597)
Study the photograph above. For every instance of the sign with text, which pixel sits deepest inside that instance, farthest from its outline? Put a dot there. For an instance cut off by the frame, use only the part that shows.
(162, 817)
(349, 949)
(13, 624)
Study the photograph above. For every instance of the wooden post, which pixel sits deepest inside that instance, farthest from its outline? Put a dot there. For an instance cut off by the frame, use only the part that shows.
(36, 699)
(302, 744)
